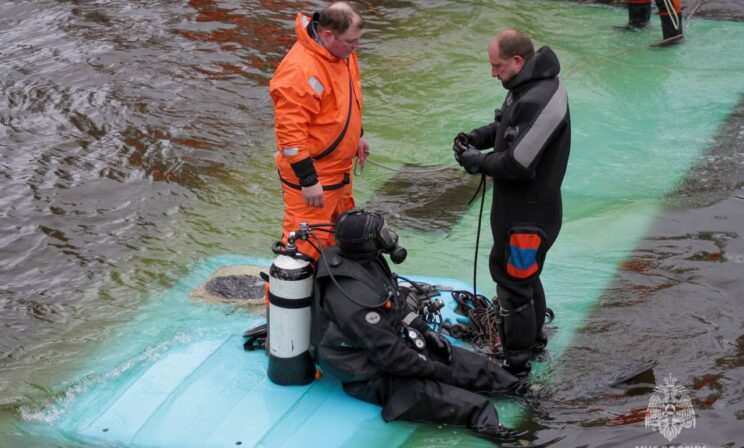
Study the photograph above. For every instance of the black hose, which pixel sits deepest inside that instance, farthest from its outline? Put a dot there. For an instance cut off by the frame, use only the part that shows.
(481, 185)
(319, 248)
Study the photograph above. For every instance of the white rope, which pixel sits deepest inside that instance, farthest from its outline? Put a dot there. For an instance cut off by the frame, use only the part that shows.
(672, 14)
(401, 170)
(692, 13)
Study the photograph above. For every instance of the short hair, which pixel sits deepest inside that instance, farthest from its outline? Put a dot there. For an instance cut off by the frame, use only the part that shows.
(339, 17)
(513, 42)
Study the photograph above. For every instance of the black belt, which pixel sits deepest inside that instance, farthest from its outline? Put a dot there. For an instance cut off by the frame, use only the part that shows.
(346, 181)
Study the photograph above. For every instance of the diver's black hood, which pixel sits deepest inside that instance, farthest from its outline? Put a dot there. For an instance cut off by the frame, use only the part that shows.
(542, 65)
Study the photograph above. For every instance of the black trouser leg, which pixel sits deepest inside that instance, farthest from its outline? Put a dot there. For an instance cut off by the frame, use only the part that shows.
(639, 13)
(518, 291)
(519, 326)
(427, 401)
(477, 373)
(668, 22)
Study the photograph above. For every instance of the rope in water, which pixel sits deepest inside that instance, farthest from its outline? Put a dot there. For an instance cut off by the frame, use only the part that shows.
(358, 169)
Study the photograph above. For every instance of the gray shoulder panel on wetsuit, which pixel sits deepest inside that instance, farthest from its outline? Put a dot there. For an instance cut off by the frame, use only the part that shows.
(546, 123)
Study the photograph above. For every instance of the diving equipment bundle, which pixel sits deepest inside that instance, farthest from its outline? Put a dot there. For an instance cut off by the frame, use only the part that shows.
(483, 328)
(291, 280)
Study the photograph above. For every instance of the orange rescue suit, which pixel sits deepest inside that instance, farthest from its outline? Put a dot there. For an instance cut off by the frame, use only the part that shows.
(315, 94)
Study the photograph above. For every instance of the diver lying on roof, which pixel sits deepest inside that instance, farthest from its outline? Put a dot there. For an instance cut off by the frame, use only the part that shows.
(365, 335)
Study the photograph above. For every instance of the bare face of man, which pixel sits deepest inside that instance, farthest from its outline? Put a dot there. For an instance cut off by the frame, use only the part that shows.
(341, 44)
(503, 68)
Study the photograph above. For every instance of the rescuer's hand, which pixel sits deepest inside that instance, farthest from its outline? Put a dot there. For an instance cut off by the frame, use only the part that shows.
(463, 141)
(362, 150)
(313, 195)
(471, 160)
(438, 344)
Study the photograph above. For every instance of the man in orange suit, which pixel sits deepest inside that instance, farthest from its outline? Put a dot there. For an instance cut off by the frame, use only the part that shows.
(317, 95)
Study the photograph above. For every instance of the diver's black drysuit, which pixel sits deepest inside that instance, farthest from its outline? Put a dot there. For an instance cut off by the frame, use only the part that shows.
(362, 342)
(531, 139)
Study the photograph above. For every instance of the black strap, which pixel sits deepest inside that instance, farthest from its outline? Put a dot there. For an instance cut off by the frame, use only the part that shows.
(291, 304)
(346, 181)
(346, 126)
(352, 269)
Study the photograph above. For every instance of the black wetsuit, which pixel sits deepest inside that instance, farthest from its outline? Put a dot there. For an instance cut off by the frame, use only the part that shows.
(531, 138)
(362, 343)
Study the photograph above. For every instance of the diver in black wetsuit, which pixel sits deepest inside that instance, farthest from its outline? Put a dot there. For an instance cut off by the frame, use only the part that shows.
(531, 138)
(365, 335)
(670, 15)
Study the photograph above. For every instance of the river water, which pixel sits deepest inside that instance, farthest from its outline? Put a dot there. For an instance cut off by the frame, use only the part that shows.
(136, 138)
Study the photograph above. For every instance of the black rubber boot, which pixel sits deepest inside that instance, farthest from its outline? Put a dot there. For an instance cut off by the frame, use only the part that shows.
(519, 332)
(487, 426)
(669, 31)
(540, 342)
(639, 14)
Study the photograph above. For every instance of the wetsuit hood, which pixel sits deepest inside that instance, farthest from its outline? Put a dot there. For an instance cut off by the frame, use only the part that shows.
(542, 65)
(357, 234)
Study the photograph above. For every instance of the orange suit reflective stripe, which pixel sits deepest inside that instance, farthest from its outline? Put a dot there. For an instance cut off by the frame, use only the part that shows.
(311, 94)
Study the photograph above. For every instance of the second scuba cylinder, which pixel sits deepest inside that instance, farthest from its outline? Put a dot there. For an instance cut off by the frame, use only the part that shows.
(290, 298)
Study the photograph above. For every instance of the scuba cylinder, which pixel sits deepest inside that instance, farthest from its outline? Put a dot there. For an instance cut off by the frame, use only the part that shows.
(290, 297)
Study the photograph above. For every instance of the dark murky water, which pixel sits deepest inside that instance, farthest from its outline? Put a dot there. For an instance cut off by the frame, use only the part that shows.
(677, 300)
(127, 133)
(134, 138)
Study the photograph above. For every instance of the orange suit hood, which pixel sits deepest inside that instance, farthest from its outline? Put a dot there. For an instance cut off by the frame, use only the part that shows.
(312, 92)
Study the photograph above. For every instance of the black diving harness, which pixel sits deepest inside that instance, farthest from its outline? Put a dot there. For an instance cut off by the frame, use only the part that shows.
(425, 306)
(256, 337)
(485, 317)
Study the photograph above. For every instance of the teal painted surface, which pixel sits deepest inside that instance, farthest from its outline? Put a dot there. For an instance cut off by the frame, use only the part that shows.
(198, 388)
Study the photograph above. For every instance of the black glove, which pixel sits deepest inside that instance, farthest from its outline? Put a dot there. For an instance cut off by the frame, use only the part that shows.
(463, 141)
(471, 160)
(438, 344)
(410, 298)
